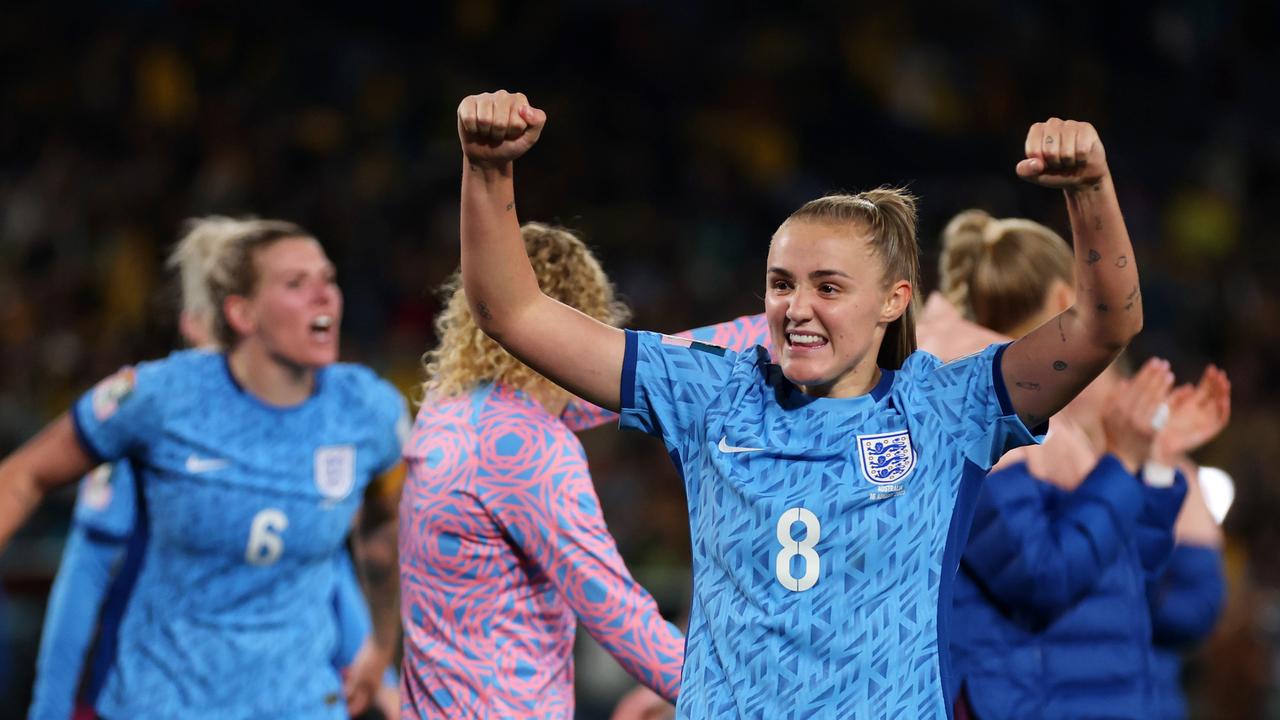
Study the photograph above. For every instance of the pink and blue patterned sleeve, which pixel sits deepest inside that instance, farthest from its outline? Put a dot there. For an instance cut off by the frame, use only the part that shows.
(565, 535)
(740, 334)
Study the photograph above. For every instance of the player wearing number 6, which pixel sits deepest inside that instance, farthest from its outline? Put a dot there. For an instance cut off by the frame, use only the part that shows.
(251, 464)
(829, 494)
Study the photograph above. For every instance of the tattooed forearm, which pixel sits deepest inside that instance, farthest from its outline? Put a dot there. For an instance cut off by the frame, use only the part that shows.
(1094, 256)
(1097, 223)
(1133, 298)
(484, 310)
(1122, 261)
(1061, 332)
(1103, 307)
(1033, 386)
(511, 206)
(1059, 365)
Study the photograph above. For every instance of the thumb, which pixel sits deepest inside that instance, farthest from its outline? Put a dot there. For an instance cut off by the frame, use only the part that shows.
(535, 117)
(1030, 168)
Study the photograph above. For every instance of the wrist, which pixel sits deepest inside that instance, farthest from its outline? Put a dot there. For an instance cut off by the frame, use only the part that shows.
(486, 171)
(1088, 187)
(1132, 462)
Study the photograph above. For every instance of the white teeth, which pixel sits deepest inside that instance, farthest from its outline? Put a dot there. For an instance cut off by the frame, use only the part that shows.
(805, 339)
(322, 322)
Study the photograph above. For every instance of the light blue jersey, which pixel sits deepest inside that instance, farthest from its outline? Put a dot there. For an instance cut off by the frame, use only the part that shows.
(826, 532)
(245, 508)
(99, 564)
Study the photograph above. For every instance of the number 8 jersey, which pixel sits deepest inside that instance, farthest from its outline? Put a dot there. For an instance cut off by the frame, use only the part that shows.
(826, 532)
(244, 507)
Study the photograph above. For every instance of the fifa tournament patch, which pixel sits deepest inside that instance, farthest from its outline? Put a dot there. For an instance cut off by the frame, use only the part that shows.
(886, 458)
(95, 493)
(335, 471)
(112, 391)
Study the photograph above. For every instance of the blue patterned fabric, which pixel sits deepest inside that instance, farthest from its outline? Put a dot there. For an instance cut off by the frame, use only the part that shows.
(246, 508)
(825, 531)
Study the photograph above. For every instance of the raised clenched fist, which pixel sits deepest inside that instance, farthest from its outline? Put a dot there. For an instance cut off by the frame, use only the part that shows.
(1063, 154)
(498, 127)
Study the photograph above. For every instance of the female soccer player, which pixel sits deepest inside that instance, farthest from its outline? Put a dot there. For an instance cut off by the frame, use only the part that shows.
(1060, 628)
(103, 552)
(251, 464)
(824, 492)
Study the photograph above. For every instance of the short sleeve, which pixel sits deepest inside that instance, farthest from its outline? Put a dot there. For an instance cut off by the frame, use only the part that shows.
(106, 503)
(969, 395)
(392, 413)
(668, 382)
(120, 413)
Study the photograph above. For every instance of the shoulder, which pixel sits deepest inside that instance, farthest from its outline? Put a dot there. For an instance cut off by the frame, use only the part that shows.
(926, 370)
(153, 383)
(361, 389)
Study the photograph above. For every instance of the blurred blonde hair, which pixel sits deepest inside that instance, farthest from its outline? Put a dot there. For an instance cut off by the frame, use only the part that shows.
(214, 259)
(890, 214)
(465, 357)
(998, 272)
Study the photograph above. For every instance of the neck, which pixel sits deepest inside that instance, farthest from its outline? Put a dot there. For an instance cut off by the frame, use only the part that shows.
(270, 378)
(860, 381)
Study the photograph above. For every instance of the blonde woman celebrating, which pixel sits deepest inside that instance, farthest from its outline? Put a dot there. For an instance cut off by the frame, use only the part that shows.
(827, 493)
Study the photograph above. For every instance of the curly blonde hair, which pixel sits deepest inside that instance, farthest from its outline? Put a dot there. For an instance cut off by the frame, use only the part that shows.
(465, 357)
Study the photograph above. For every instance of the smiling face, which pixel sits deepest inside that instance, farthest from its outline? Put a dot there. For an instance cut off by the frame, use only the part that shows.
(828, 304)
(295, 308)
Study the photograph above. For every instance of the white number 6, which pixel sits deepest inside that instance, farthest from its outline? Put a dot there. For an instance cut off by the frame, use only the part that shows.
(265, 543)
(804, 548)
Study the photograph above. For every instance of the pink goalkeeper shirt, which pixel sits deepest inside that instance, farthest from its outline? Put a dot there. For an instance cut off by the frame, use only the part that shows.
(502, 544)
(503, 549)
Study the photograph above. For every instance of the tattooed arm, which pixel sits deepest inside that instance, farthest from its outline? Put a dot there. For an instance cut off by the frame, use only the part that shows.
(1050, 365)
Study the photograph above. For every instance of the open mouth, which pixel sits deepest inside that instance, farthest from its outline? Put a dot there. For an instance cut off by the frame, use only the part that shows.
(322, 328)
(805, 341)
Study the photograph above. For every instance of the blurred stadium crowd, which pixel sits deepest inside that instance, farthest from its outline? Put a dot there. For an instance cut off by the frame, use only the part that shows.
(683, 135)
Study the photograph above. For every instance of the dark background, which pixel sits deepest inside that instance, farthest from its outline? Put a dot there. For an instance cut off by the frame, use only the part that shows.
(680, 135)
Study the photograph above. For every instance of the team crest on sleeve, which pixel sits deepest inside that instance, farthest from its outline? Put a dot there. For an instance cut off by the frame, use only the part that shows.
(335, 471)
(886, 458)
(112, 391)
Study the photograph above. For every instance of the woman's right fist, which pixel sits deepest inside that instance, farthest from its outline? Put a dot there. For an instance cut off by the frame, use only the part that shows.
(496, 128)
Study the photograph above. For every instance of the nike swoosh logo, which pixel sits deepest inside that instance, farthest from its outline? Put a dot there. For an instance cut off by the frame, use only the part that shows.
(196, 464)
(725, 447)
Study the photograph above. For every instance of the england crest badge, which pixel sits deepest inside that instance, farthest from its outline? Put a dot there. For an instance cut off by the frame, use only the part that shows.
(335, 471)
(886, 458)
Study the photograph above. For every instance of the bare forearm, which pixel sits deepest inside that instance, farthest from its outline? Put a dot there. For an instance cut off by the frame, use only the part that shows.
(495, 268)
(379, 564)
(52, 458)
(1108, 309)
(19, 496)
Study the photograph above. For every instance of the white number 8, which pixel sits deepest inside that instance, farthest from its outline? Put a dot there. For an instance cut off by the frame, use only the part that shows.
(265, 543)
(804, 548)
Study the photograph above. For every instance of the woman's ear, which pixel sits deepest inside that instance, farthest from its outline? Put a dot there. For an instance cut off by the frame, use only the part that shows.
(238, 310)
(896, 301)
(1061, 297)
